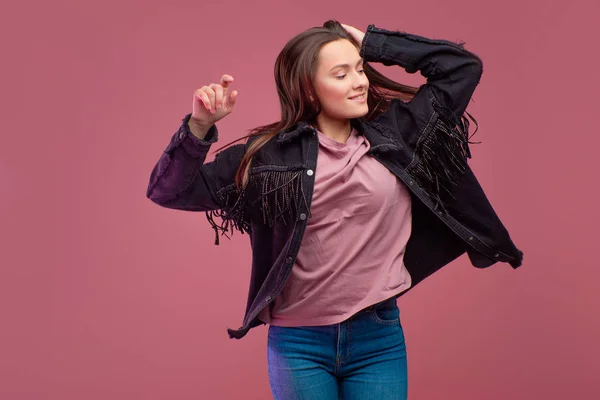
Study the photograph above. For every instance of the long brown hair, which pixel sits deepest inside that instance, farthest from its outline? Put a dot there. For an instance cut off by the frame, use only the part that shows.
(295, 69)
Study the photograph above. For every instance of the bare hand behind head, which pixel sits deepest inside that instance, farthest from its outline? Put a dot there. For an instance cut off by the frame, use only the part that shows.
(213, 102)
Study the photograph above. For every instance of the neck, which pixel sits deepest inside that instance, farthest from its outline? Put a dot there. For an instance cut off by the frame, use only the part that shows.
(338, 130)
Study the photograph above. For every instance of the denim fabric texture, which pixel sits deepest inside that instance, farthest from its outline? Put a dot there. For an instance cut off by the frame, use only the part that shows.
(423, 142)
(363, 357)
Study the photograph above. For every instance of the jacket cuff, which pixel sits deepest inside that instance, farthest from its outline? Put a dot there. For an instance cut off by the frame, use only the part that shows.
(191, 144)
(370, 48)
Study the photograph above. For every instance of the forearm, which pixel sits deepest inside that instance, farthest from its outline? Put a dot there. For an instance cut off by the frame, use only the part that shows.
(179, 164)
(452, 72)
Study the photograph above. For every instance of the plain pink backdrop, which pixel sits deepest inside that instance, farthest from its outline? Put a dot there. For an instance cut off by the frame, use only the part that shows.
(104, 295)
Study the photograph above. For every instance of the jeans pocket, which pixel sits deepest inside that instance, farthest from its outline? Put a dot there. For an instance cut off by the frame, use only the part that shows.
(386, 313)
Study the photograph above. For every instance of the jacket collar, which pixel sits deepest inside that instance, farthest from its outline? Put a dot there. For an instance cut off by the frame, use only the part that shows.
(301, 128)
(378, 135)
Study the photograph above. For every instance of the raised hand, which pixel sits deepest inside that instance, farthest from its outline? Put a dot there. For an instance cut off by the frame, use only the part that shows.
(213, 102)
(356, 34)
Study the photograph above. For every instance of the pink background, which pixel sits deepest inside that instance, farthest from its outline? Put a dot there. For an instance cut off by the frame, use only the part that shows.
(104, 295)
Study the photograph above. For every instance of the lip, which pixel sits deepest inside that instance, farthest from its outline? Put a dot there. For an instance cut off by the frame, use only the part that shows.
(360, 101)
(360, 94)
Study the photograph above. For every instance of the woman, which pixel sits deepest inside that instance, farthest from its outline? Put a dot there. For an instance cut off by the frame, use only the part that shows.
(357, 194)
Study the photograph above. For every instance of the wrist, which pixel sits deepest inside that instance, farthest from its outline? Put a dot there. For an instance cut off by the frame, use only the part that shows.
(198, 129)
(198, 123)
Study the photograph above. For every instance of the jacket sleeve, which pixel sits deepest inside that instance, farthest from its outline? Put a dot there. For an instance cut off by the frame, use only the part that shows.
(452, 72)
(181, 180)
(432, 124)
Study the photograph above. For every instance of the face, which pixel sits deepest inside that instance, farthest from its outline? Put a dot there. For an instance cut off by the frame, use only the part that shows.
(335, 84)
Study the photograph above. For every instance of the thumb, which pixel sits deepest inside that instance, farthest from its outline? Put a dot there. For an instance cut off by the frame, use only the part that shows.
(231, 98)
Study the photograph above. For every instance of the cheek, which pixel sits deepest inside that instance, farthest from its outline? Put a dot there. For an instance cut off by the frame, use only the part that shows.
(334, 93)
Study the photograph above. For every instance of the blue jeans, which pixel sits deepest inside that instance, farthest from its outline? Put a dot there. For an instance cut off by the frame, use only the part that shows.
(363, 357)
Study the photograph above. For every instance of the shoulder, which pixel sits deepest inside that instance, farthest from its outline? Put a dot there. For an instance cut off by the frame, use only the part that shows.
(407, 119)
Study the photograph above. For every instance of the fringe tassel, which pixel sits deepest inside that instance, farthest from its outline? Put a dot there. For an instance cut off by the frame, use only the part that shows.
(277, 193)
(442, 156)
(232, 215)
(280, 195)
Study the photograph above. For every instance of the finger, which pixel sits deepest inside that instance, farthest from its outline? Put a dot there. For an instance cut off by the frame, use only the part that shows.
(225, 81)
(218, 94)
(200, 95)
(211, 95)
(230, 100)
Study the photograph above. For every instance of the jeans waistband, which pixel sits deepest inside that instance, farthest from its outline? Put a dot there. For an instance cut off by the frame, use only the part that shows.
(387, 302)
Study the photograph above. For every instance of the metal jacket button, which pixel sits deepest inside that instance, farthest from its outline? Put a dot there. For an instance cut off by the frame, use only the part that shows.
(309, 172)
(302, 216)
(288, 260)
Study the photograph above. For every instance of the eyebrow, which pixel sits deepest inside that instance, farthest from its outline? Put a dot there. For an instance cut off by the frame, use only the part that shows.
(346, 65)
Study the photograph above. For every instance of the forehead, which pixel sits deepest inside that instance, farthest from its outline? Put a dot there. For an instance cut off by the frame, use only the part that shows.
(338, 52)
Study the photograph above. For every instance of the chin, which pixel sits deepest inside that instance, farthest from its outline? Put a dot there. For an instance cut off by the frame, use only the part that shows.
(349, 115)
(355, 115)
(360, 113)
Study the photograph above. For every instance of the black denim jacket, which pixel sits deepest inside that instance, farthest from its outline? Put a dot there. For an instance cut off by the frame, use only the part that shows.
(423, 142)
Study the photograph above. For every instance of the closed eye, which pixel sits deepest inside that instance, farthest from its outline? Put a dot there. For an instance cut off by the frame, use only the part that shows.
(342, 76)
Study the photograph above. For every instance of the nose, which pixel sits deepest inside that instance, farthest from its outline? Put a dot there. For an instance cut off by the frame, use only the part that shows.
(361, 80)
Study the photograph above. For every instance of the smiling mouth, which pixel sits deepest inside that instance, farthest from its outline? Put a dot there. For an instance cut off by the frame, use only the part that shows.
(360, 96)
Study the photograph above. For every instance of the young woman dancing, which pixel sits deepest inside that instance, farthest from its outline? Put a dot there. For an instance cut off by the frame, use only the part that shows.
(358, 193)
